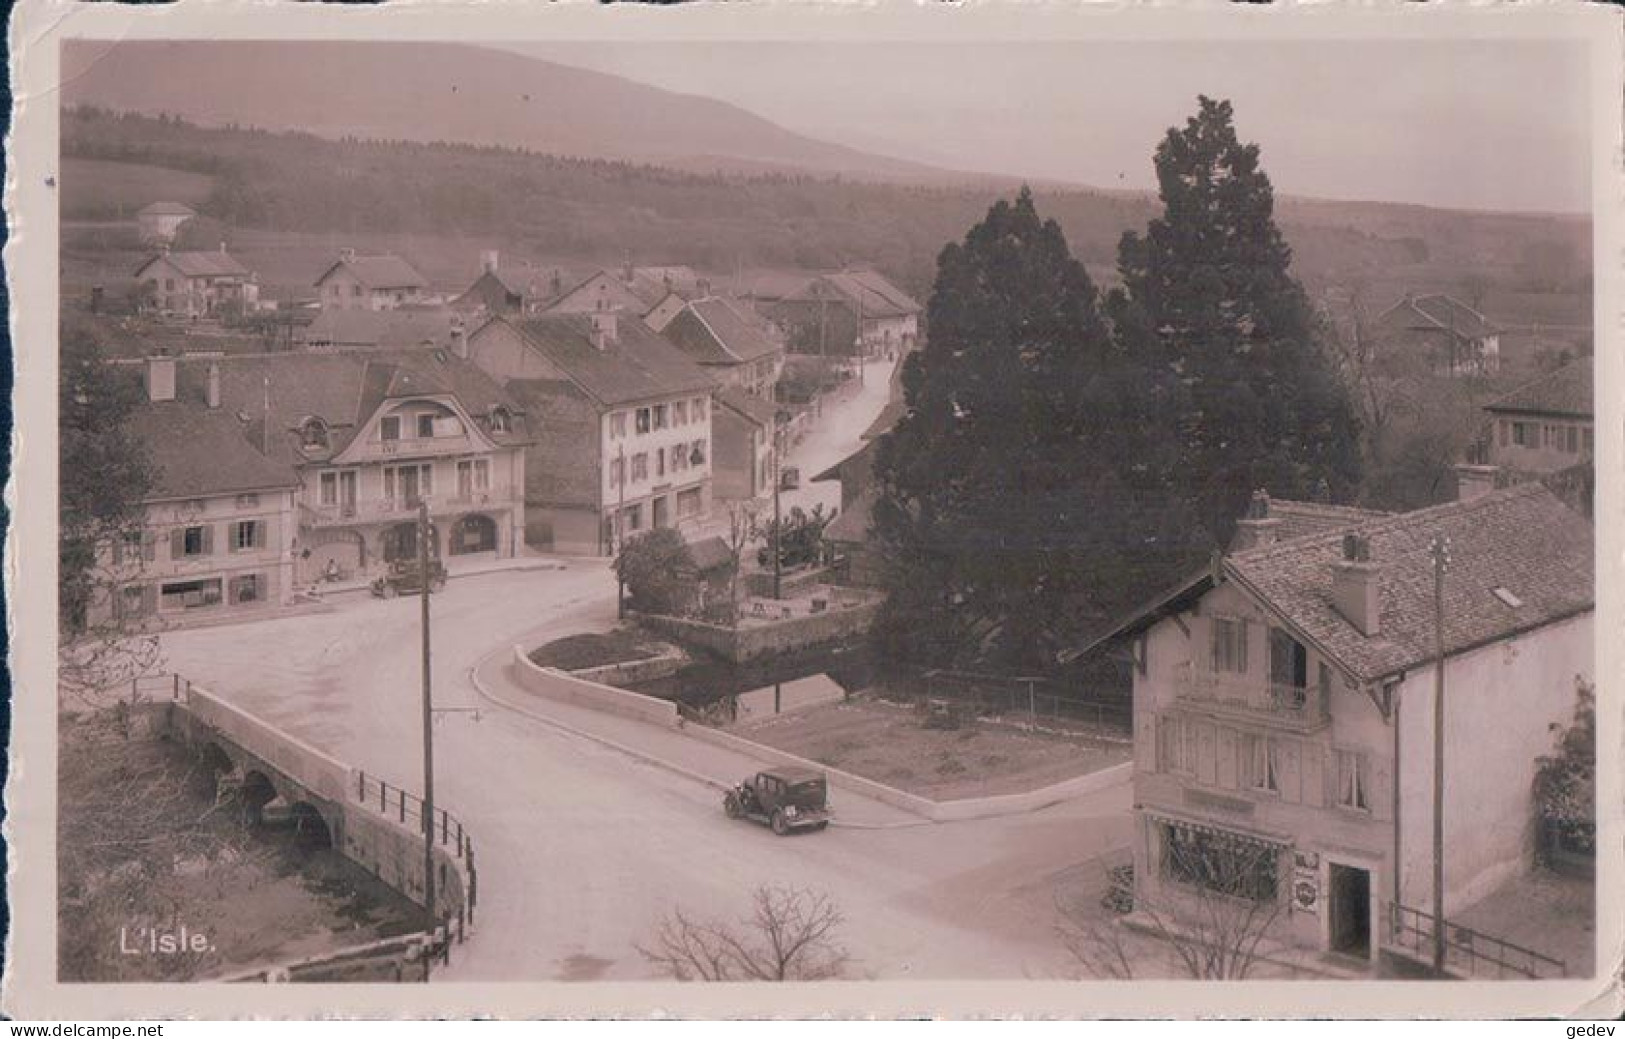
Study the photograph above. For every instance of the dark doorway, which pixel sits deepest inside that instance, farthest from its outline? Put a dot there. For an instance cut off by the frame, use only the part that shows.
(1351, 910)
(662, 512)
(474, 533)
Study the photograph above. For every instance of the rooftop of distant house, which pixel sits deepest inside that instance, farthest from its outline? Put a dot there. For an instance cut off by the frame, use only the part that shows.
(385, 271)
(735, 336)
(172, 432)
(759, 410)
(390, 329)
(1437, 311)
(867, 291)
(167, 209)
(1566, 391)
(634, 364)
(207, 263)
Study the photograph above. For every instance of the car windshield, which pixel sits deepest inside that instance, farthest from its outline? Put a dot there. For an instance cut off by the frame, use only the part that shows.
(810, 790)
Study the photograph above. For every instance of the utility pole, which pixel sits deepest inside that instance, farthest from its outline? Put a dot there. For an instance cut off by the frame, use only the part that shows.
(424, 533)
(778, 481)
(618, 528)
(1440, 551)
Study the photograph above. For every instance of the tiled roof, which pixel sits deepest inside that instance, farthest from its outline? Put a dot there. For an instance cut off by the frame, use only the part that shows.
(343, 390)
(197, 452)
(379, 272)
(208, 263)
(739, 336)
(1522, 539)
(166, 209)
(638, 365)
(1304, 518)
(1435, 311)
(390, 329)
(867, 291)
(762, 412)
(1566, 391)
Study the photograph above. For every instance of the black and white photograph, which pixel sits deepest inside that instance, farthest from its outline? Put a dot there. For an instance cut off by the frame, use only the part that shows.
(666, 508)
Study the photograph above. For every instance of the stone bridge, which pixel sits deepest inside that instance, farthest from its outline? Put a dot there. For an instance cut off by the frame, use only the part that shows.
(374, 824)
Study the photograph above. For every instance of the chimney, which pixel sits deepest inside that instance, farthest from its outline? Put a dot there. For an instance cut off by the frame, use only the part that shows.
(1258, 528)
(160, 377)
(603, 329)
(163, 247)
(1355, 587)
(222, 248)
(459, 341)
(1474, 481)
(347, 255)
(556, 282)
(705, 288)
(214, 385)
(627, 273)
(489, 260)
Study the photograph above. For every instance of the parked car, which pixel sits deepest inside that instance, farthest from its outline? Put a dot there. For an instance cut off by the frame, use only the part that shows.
(783, 798)
(405, 577)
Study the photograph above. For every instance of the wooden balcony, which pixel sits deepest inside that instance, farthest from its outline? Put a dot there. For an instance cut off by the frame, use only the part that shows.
(1251, 698)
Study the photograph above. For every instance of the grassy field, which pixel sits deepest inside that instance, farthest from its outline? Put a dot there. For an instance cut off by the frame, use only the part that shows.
(98, 189)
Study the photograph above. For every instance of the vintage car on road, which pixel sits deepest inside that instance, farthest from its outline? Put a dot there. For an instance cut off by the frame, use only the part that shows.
(405, 577)
(783, 798)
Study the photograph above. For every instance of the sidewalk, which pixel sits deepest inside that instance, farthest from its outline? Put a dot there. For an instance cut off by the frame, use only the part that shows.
(454, 570)
(670, 749)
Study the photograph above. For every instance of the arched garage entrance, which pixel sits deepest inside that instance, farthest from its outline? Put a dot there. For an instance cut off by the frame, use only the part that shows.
(340, 552)
(401, 542)
(474, 533)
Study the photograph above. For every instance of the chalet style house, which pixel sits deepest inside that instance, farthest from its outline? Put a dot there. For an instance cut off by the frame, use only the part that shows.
(1445, 334)
(370, 283)
(624, 434)
(727, 339)
(506, 291)
(1284, 705)
(198, 284)
(1543, 430)
(652, 294)
(219, 524)
(160, 221)
(886, 318)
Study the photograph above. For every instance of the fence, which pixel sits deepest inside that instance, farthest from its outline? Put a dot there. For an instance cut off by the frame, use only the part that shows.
(1036, 697)
(392, 801)
(1466, 951)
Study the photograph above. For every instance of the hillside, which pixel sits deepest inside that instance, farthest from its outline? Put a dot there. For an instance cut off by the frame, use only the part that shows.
(459, 94)
(302, 197)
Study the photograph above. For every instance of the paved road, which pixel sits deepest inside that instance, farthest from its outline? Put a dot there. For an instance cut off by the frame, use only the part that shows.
(583, 849)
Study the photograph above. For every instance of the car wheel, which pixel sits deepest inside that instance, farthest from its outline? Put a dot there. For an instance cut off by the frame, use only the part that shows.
(389, 590)
(781, 825)
(730, 805)
(822, 826)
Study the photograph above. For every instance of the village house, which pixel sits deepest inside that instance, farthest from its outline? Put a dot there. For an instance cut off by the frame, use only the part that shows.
(830, 307)
(1545, 425)
(198, 284)
(849, 534)
(744, 432)
(728, 340)
(369, 436)
(1442, 332)
(218, 525)
(625, 429)
(653, 294)
(161, 220)
(1283, 717)
(370, 283)
(507, 292)
(403, 329)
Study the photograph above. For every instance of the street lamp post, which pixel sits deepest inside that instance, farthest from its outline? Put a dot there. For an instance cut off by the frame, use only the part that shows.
(424, 533)
(1440, 551)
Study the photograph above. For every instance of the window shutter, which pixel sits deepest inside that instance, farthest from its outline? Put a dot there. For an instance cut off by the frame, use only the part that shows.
(149, 548)
(208, 538)
(1241, 646)
(1231, 747)
(177, 543)
(1314, 774)
(1213, 628)
(1289, 771)
(1380, 790)
(149, 599)
(1207, 763)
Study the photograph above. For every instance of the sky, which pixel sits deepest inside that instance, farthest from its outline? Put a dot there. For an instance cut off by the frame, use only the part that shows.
(1501, 125)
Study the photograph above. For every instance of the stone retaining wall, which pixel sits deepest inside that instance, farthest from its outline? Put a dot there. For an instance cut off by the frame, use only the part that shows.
(558, 685)
(757, 640)
(634, 672)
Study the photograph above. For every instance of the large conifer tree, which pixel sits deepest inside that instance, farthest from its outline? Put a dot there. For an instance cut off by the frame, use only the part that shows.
(1209, 300)
(1008, 509)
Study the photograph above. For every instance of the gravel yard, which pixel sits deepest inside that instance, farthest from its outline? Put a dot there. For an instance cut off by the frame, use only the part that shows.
(889, 743)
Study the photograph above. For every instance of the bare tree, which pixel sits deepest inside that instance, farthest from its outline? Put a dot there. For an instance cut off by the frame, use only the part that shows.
(741, 532)
(1210, 924)
(788, 936)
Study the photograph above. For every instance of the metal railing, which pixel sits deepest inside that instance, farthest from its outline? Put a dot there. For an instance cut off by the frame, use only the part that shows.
(1034, 697)
(1301, 705)
(402, 508)
(407, 808)
(1467, 953)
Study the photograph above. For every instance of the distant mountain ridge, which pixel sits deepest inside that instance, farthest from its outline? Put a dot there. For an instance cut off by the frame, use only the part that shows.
(456, 93)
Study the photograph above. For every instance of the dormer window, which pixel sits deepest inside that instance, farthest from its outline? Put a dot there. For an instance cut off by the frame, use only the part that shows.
(313, 434)
(501, 420)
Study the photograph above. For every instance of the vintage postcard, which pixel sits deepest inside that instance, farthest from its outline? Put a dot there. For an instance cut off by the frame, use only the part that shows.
(820, 509)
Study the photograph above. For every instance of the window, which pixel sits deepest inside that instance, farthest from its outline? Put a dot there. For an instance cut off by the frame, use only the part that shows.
(247, 535)
(473, 477)
(1571, 439)
(408, 483)
(135, 601)
(617, 472)
(1504, 428)
(1352, 781)
(697, 456)
(660, 416)
(1258, 763)
(190, 542)
(640, 467)
(389, 427)
(660, 460)
(1523, 434)
(501, 420)
(1229, 649)
(688, 503)
(643, 420)
(679, 413)
(169, 284)
(313, 434)
(425, 426)
(1176, 745)
(699, 408)
(245, 589)
(191, 595)
(1588, 441)
(355, 290)
(634, 518)
(679, 460)
(1226, 863)
(248, 501)
(617, 425)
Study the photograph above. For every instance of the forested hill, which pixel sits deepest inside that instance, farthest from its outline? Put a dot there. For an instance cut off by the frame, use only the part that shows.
(600, 210)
